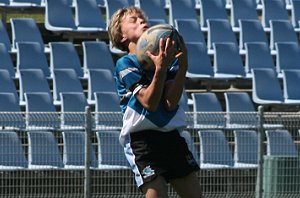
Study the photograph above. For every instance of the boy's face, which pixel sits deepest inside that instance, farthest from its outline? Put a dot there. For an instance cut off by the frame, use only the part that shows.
(132, 26)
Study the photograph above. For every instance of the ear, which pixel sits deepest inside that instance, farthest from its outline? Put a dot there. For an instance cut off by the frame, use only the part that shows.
(123, 39)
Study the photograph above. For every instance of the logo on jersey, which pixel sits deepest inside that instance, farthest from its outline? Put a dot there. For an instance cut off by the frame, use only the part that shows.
(147, 172)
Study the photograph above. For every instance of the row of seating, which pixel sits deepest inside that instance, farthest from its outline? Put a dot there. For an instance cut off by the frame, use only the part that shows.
(44, 152)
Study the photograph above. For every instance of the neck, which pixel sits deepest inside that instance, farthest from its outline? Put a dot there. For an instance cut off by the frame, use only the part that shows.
(132, 48)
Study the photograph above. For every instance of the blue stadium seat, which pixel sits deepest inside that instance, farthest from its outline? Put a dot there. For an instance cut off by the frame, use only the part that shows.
(287, 57)
(228, 63)
(258, 55)
(280, 142)
(273, 10)
(12, 155)
(6, 62)
(74, 150)
(4, 3)
(251, 31)
(282, 31)
(88, 16)
(246, 149)
(111, 155)
(26, 29)
(214, 150)
(107, 111)
(73, 110)
(40, 112)
(96, 55)
(219, 30)
(242, 9)
(199, 62)
(65, 80)
(291, 80)
(265, 87)
(190, 30)
(14, 118)
(208, 111)
(32, 80)
(43, 152)
(295, 14)
(58, 16)
(30, 55)
(113, 5)
(63, 55)
(182, 9)
(154, 9)
(7, 83)
(4, 37)
(210, 10)
(98, 81)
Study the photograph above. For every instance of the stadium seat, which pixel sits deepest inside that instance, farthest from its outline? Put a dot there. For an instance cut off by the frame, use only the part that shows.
(72, 110)
(280, 142)
(4, 37)
(153, 9)
(30, 55)
(111, 155)
(251, 31)
(219, 30)
(246, 149)
(240, 110)
(291, 80)
(265, 87)
(7, 84)
(24, 30)
(258, 55)
(112, 6)
(88, 16)
(214, 150)
(32, 80)
(182, 9)
(228, 63)
(98, 81)
(210, 10)
(12, 155)
(282, 31)
(242, 9)
(96, 55)
(13, 119)
(295, 14)
(4, 3)
(40, 112)
(107, 111)
(208, 111)
(63, 55)
(58, 16)
(190, 30)
(6, 62)
(199, 62)
(65, 80)
(287, 57)
(43, 152)
(74, 150)
(273, 10)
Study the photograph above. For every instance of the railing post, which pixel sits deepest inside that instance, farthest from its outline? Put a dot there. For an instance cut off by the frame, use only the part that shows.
(87, 174)
(261, 137)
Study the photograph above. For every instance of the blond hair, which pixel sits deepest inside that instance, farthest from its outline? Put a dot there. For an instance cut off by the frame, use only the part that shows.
(114, 28)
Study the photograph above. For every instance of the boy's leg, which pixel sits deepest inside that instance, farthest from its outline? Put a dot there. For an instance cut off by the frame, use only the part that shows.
(156, 188)
(188, 186)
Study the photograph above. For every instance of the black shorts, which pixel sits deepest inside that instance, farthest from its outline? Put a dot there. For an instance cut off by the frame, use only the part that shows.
(161, 153)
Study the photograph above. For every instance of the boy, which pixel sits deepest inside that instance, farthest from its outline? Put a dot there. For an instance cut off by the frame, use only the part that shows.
(152, 117)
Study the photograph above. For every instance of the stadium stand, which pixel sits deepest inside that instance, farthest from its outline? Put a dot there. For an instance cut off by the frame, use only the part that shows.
(65, 80)
(295, 14)
(6, 62)
(258, 55)
(12, 155)
(39, 107)
(182, 9)
(246, 149)
(291, 80)
(73, 150)
(265, 87)
(30, 55)
(43, 152)
(7, 84)
(190, 30)
(153, 9)
(4, 37)
(280, 142)
(210, 10)
(214, 150)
